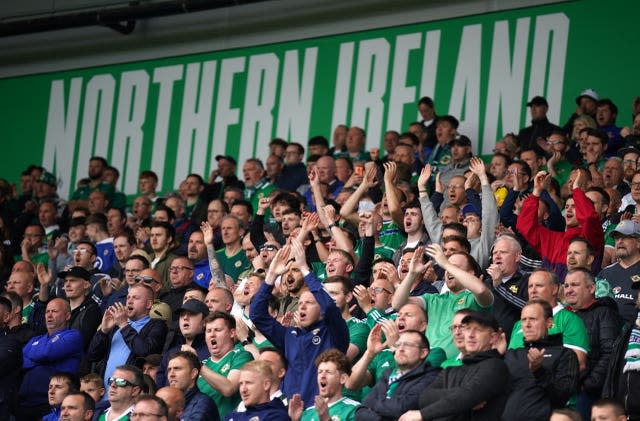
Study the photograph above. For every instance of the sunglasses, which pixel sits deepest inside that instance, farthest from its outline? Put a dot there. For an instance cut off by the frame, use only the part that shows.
(269, 247)
(146, 279)
(120, 382)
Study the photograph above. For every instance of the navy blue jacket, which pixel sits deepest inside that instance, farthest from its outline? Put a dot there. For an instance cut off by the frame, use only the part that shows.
(270, 411)
(199, 407)
(301, 347)
(178, 340)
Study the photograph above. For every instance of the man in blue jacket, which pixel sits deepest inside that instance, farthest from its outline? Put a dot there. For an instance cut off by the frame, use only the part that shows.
(60, 349)
(182, 372)
(320, 324)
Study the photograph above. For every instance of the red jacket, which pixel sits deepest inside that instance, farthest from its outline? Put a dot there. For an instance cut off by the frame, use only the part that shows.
(553, 245)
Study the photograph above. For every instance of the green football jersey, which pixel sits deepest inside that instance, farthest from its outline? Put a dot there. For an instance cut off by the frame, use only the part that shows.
(344, 409)
(440, 309)
(233, 265)
(569, 324)
(233, 360)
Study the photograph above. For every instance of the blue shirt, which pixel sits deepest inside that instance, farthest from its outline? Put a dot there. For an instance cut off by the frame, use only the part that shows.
(119, 352)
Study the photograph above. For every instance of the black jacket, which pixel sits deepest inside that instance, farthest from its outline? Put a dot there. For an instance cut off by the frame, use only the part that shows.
(509, 298)
(540, 128)
(481, 380)
(619, 385)
(10, 365)
(603, 323)
(148, 341)
(533, 395)
(376, 406)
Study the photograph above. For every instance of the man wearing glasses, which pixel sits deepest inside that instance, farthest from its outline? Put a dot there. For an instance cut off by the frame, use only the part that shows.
(149, 407)
(180, 277)
(398, 390)
(125, 385)
(127, 331)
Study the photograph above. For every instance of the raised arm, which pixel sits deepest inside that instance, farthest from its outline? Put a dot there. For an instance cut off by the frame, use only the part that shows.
(416, 269)
(429, 215)
(469, 281)
(349, 210)
(217, 274)
(393, 202)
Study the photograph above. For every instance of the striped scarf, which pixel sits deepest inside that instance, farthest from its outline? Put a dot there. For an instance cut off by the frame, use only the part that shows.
(632, 356)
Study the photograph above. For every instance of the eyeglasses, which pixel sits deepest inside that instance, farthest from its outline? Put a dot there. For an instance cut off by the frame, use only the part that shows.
(269, 247)
(401, 344)
(120, 382)
(82, 251)
(146, 279)
(379, 290)
(137, 415)
(455, 187)
(630, 162)
(554, 142)
(177, 268)
(635, 185)
(455, 328)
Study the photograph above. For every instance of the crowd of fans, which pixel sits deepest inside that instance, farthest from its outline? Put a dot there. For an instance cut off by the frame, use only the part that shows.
(409, 282)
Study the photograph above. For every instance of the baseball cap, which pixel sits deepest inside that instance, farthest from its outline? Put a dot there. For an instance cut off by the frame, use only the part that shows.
(626, 149)
(80, 220)
(483, 319)
(470, 208)
(193, 306)
(228, 158)
(161, 311)
(461, 140)
(538, 100)
(153, 359)
(589, 93)
(48, 178)
(77, 271)
(628, 228)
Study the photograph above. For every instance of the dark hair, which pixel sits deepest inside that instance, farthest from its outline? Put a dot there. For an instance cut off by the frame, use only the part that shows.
(170, 213)
(72, 380)
(608, 103)
(192, 359)
(456, 226)
(169, 230)
(88, 404)
(606, 199)
(299, 146)
(162, 406)
(590, 250)
(569, 413)
(283, 359)
(101, 159)
(408, 135)
(138, 376)
(426, 101)
(229, 320)
(615, 404)
(524, 168)
(245, 203)
(149, 174)
(145, 262)
(98, 219)
(318, 141)
(347, 160)
(424, 342)
(460, 239)
(91, 245)
(198, 177)
(225, 205)
(347, 286)
(604, 139)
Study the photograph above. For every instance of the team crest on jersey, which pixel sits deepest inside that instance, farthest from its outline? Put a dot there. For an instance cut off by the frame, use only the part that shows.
(616, 290)
(225, 368)
(514, 289)
(635, 278)
(315, 331)
(460, 301)
(238, 264)
(445, 160)
(315, 340)
(335, 418)
(200, 276)
(106, 252)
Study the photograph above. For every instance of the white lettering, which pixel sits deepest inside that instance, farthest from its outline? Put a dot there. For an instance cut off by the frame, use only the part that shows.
(193, 140)
(506, 82)
(60, 136)
(165, 76)
(551, 73)
(225, 115)
(128, 134)
(369, 88)
(429, 65)
(98, 104)
(259, 100)
(465, 95)
(401, 94)
(294, 113)
(343, 85)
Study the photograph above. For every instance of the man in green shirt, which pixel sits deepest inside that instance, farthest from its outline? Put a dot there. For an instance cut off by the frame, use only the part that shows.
(220, 373)
(256, 183)
(333, 371)
(80, 197)
(232, 257)
(466, 290)
(544, 285)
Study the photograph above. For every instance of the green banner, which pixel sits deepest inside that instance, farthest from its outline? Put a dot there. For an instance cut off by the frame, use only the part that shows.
(175, 115)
